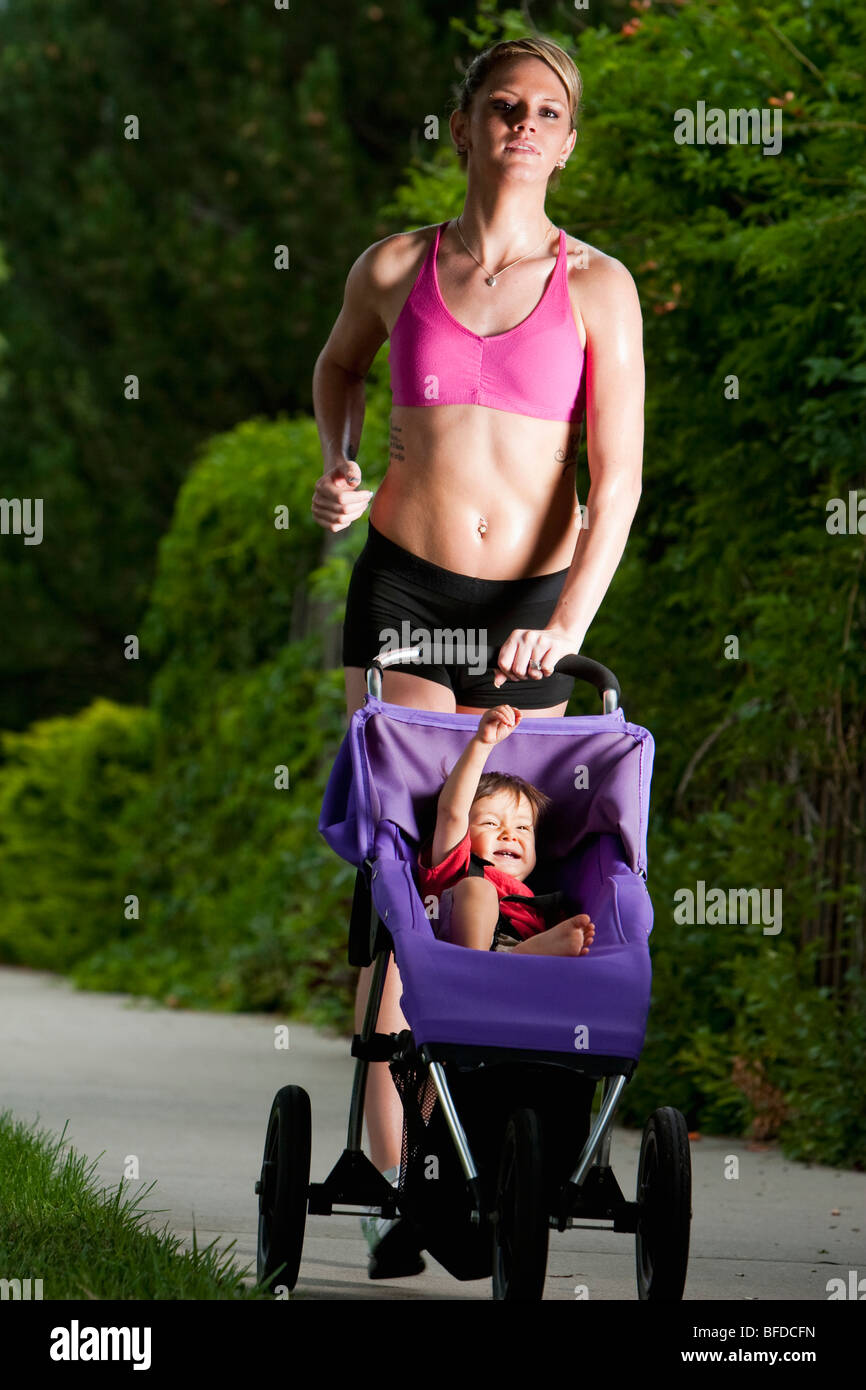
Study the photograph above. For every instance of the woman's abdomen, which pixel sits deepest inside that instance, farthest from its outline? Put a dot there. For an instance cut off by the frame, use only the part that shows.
(480, 492)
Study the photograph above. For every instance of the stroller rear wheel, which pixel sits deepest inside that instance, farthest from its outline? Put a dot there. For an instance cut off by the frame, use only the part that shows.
(282, 1187)
(520, 1222)
(664, 1193)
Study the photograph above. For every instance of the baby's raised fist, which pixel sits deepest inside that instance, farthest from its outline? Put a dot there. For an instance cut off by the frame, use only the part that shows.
(497, 723)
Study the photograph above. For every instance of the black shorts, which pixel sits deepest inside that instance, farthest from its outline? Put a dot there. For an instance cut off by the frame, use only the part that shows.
(390, 586)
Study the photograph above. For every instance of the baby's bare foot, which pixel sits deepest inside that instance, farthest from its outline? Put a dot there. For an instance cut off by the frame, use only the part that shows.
(572, 937)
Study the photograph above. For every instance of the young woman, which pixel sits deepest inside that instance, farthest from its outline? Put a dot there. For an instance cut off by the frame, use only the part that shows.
(504, 332)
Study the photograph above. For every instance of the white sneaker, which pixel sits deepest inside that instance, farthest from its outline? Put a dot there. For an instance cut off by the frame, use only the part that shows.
(375, 1227)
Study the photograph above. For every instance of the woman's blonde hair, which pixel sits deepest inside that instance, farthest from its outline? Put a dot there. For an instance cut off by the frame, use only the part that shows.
(555, 57)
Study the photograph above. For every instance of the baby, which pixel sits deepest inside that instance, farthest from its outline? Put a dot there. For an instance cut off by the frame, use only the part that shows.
(496, 824)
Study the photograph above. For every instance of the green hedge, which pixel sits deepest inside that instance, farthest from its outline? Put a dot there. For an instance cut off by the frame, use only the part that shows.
(243, 904)
(67, 786)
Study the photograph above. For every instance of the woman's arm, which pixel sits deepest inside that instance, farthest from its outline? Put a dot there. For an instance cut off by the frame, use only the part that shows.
(610, 310)
(338, 394)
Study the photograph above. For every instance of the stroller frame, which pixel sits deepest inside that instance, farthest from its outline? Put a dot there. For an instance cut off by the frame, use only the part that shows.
(600, 1198)
(590, 1198)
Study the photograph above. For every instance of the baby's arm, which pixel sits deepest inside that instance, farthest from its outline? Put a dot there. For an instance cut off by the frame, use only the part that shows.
(455, 798)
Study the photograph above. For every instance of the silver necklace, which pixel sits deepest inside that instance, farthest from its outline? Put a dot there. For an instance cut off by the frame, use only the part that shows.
(491, 278)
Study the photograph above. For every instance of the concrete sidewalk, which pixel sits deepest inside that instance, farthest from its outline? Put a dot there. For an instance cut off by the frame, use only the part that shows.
(189, 1094)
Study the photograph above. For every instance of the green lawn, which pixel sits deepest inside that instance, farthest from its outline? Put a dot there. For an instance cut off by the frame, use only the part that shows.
(84, 1241)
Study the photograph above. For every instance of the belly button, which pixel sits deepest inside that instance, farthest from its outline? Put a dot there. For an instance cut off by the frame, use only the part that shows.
(482, 526)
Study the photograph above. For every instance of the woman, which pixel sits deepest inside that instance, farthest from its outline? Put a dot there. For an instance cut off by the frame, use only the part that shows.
(507, 328)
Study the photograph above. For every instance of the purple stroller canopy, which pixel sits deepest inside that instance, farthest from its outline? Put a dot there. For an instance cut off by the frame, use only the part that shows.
(380, 803)
(394, 760)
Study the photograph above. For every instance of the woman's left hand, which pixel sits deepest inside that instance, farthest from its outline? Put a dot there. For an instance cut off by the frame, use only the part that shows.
(526, 645)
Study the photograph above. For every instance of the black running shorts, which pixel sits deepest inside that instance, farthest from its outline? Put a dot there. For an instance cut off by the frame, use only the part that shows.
(390, 587)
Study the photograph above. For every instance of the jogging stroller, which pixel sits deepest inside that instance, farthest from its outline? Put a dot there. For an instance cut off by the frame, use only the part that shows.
(499, 1066)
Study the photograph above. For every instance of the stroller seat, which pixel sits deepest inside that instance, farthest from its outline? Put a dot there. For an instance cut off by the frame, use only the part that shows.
(381, 801)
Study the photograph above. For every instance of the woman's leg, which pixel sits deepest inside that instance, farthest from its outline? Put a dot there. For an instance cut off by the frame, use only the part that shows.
(387, 586)
(554, 712)
(382, 1109)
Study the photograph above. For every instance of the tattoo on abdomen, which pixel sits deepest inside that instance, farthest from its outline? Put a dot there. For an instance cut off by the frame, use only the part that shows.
(397, 449)
(568, 455)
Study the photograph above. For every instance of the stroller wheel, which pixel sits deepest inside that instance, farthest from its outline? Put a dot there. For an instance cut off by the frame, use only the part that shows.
(283, 1185)
(520, 1224)
(664, 1192)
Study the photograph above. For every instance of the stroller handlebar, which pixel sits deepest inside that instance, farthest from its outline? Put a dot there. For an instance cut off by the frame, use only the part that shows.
(583, 668)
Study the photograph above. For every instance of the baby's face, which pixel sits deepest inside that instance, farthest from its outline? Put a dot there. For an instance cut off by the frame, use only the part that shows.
(501, 830)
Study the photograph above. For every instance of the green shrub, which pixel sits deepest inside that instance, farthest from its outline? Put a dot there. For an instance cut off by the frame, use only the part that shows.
(243, 903)
(66, 786)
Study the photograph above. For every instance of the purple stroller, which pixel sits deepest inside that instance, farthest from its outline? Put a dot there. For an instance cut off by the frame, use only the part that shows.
(498, 1069)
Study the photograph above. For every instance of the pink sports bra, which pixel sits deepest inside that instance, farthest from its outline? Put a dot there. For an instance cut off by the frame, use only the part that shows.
(535, 368)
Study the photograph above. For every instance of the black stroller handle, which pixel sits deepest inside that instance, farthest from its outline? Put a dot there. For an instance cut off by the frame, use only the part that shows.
(583, 668)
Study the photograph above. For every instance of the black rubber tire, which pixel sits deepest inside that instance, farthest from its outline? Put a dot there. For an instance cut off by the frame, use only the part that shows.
(664, 1192)
(283, 1187)
(520, 1227)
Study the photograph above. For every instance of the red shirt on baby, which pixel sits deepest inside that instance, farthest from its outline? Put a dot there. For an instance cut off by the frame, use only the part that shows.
(526, 921)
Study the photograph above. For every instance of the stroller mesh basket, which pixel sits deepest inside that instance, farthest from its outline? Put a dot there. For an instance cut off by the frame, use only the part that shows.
(432, 1192)
(432, 1189)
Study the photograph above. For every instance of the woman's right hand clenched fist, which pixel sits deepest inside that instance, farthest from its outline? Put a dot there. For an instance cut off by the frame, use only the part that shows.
(338, 500)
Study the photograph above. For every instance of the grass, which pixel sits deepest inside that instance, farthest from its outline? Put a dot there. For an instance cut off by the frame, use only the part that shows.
(84, 1241)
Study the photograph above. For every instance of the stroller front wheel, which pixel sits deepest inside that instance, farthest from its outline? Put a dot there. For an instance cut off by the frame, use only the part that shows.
(664, 1194)
(520, 1223)
(283, 1185)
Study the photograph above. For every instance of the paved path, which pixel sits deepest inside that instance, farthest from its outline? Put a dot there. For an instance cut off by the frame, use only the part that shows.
(189, 1094)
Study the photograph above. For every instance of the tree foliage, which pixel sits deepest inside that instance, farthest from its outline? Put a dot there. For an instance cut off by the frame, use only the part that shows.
(144, 304)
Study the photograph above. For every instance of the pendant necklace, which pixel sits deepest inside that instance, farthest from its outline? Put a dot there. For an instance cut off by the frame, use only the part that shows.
(491, 278)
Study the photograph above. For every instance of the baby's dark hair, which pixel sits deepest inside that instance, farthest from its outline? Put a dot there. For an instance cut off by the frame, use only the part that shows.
(491, 782)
